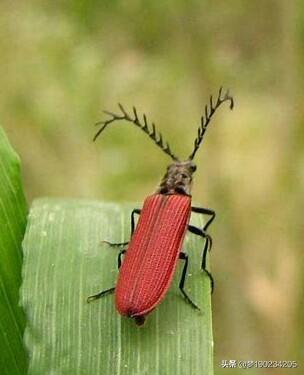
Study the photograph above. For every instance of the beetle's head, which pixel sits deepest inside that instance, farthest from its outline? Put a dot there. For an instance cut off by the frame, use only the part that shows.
(178, 178)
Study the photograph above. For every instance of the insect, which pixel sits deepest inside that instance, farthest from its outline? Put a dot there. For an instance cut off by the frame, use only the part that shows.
(152, 254)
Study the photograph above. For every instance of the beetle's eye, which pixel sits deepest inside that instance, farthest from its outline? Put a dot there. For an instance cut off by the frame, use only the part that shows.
(184, 175)
(193, 168)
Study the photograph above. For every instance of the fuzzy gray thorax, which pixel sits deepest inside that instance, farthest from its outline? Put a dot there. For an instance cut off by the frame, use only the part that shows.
(178, 178)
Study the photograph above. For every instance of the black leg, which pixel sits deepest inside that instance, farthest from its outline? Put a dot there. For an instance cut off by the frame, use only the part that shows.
(121, 253)
(115, 244)
(202, 233)
(100, 294)
(111, 290)
(184, 257)
(205, 211)
(207, 246)
(135, 211)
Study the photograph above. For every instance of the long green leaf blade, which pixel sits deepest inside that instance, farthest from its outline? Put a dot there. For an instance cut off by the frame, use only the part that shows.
(13, 213)
(65, 262)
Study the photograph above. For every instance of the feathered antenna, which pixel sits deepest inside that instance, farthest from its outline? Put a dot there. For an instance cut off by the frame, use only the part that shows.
(208, 115)
(156, 137)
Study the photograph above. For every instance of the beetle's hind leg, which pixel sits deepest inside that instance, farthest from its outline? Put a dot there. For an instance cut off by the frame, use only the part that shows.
(110, 290)
(100, 294)
(184, 256)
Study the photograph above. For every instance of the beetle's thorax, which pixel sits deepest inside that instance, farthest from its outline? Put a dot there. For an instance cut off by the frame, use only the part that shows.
(178, 178)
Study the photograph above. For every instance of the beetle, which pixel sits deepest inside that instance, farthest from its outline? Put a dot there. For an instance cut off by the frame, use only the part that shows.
(155, 245)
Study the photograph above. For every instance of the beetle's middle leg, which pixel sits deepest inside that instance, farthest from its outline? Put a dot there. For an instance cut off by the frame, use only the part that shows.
(203, 232)
(205, 211)
(184, 256)
(207, 246)
(208, 239)
(135, 211)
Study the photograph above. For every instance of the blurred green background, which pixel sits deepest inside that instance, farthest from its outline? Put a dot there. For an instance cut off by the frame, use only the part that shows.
(62, 63)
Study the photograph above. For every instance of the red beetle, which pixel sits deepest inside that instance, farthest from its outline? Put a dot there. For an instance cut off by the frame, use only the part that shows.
(155, 245)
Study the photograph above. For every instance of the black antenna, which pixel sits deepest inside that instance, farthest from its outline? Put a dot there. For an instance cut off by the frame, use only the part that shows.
(205, 120)
(156, 137)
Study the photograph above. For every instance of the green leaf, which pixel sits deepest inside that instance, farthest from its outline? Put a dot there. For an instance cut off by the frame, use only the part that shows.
(13, 212)
(65, 262)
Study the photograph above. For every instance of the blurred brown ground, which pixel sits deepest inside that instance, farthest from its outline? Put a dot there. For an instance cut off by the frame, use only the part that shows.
(62, 64)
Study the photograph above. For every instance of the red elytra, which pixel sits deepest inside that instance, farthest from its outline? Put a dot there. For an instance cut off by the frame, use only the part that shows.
(150, 261)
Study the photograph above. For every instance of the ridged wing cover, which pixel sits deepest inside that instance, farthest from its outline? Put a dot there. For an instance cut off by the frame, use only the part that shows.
(152, 254)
